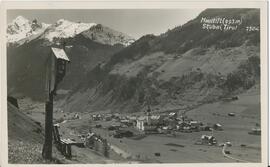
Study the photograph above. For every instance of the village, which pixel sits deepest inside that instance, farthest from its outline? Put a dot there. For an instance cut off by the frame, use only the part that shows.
(111, 134)
(127, 126)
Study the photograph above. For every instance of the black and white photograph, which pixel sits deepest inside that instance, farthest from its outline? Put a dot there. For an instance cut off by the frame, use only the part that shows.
(134, 86)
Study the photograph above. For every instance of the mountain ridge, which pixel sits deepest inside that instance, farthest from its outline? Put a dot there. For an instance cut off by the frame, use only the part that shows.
(22, 30)
(180, 68)
(26, 59)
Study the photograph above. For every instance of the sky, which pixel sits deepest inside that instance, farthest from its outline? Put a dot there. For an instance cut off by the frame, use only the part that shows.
(134, 22)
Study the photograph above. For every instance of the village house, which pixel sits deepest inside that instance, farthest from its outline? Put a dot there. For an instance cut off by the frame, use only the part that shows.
(132, 120)
(96, 117)
(89, 140)
(108, 117)
(255, 131)
(217, 127)
(173, 115)
(208, 140)
(116, 116)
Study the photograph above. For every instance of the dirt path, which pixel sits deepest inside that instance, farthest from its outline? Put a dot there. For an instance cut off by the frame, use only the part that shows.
(236, 159)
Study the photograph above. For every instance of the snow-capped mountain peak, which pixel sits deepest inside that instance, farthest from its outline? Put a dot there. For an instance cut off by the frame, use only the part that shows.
(66, 29)
(20, 21)
(22, 29)
(96, 32)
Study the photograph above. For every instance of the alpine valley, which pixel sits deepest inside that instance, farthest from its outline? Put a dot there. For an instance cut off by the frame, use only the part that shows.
(197, 83)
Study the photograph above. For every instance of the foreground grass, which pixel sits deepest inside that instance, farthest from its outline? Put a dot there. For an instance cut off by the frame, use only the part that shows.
(21, 152)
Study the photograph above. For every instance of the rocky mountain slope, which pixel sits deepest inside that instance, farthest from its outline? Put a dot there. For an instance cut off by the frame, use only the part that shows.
(182, 68)
(88, 44)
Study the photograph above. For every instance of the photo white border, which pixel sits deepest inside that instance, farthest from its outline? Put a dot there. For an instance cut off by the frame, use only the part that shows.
(110, 4)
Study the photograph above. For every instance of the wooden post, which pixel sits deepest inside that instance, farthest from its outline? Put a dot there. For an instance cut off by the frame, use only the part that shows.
(53, 77)
(106, 148)
(69, 155)
(55, 138)
(47, 147)
(56, 133)
(63, 148)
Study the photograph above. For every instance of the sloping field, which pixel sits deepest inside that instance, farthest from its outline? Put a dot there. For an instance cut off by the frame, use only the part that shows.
(247, 116)
(25, 138)
(22, 127)
(216, 61)
(222, 61)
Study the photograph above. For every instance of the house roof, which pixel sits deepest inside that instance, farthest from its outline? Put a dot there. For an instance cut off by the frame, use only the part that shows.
(194, 122)
(155, 116)
(132, 117)
(207, 137)
(60, 54)
(172, 114)
(217, 124)
(90, 135)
